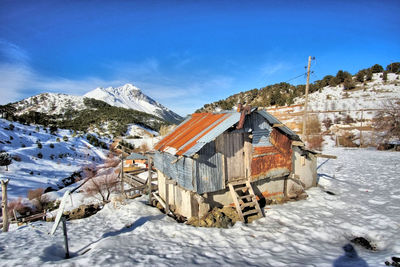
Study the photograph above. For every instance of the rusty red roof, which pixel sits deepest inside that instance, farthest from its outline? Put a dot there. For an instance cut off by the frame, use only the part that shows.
(190, 133)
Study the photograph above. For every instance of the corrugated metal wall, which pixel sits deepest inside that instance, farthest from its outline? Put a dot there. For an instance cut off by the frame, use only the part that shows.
(208, 170)
(180, 171)
(202, 175)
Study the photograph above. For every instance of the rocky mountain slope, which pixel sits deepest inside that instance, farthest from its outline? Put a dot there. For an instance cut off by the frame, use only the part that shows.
(78, 113)
(129, 96)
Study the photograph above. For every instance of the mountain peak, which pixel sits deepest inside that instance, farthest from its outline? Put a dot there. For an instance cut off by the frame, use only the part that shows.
(130, 96)
(129, 86)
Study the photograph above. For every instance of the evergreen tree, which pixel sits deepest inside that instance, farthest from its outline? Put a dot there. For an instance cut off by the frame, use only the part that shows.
(5, 159)
(360, 76)
(393, 67)
(348, 84)
(368, 75)
(384, 76)
(376, 68)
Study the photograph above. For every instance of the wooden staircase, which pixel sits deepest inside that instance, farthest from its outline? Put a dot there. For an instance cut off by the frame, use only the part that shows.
(245, 200)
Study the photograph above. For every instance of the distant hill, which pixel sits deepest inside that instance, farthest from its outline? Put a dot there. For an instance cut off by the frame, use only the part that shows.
(77, 113)
(342, 108)
(129, 96)
(285, 94)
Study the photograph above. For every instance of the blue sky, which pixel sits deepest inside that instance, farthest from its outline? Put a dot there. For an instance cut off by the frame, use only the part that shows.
(185, 54)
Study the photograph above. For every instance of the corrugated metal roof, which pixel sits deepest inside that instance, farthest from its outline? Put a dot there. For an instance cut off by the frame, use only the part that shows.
(136, 156)
(201, 128)
(191, 135)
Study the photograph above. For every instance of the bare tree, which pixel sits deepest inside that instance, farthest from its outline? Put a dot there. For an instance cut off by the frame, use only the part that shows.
(387, 121)
(102, 186)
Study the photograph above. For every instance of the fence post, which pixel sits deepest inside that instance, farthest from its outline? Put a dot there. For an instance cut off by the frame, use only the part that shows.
(149, 166)
(4, 206)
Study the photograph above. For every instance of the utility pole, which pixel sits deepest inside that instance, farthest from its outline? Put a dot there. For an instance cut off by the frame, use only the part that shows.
(306, 100)
(361, 128)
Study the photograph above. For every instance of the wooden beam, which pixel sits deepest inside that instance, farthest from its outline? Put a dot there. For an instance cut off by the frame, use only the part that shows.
(278, 125)
(297, 143)
(168, 181)
(325, 156)
(149, 167)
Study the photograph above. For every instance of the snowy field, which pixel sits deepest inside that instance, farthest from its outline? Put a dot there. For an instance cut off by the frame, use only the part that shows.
(310, 232)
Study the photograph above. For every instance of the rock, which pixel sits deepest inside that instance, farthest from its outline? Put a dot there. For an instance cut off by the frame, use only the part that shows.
(83, 211)
(363, 242)
(220, 218)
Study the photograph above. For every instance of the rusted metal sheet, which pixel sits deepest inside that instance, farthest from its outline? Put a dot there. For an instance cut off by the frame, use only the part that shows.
(212, 135)
(272, 160)
(195, 132)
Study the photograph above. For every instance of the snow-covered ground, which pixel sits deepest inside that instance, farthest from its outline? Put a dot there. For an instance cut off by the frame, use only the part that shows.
(310, 232)
(372, 95)
(60, 157)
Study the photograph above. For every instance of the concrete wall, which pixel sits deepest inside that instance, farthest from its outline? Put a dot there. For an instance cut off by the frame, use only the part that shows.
(184, 202)
(305, 166)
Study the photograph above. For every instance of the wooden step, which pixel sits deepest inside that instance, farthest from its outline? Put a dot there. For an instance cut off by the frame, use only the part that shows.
(247, 204)
(238, 182)
(249, 196)
(254, 211)
(241, 188)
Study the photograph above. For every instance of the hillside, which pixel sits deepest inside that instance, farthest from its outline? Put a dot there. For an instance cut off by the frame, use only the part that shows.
(42, 159)
(131, 97)
(285, 94)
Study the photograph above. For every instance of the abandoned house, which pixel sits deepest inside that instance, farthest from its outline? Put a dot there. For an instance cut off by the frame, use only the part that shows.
(231, 158)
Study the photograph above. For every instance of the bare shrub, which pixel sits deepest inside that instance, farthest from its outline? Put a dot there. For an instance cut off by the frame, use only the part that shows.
(348, 119)
(387, 121)
(102, 186)
(337, 120)
(315, 142)
(142, 148)
(313, 125)
(347, 140)
(313, 133)
(111, 161)
(18, 206)
(327, 123)
(37, 198)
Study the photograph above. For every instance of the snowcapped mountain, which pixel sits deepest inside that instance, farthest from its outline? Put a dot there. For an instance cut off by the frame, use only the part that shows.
(129, 96)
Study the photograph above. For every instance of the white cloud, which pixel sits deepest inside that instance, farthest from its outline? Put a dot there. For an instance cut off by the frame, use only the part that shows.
(10, 52)
(183, 94)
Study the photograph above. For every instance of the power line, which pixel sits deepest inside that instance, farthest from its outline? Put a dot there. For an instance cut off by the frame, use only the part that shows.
(303, 74)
